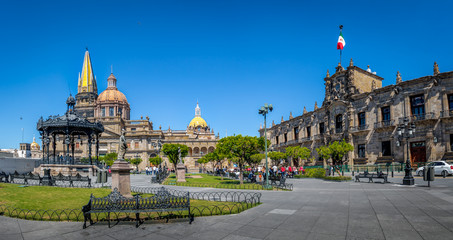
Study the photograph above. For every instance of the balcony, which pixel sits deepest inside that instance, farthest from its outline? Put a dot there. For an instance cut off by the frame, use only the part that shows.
(384, 124)
(359, 128)
(445, 114)
(419, 117)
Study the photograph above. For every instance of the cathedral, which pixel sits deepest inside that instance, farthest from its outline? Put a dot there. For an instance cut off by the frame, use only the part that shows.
(359, 109)
(112, 109)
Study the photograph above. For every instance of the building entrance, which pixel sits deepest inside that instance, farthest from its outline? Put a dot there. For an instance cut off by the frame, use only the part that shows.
(418, 153)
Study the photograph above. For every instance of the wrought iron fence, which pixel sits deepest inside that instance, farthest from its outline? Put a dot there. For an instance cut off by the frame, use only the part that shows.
(226, 203)
(259, 185)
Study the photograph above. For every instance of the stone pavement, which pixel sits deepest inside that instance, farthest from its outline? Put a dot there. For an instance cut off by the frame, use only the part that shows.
(316, 209)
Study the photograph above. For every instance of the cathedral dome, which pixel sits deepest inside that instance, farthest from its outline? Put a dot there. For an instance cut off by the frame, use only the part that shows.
(198, 122)
(111, 94)
(34, 145)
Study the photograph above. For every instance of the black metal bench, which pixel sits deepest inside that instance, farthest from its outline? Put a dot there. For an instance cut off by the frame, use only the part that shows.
(162, 201)
(4, 177)
(71, 179)
(248, 179)
(273, 178)
(26, 177)
(372, 176)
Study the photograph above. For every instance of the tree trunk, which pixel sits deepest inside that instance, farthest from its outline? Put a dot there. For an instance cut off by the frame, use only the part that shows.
(241, 177)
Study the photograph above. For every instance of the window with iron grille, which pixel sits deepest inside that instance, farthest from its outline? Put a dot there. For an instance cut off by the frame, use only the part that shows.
(450, 102)
(361, 150)
(386, 148)
(385, 114)
(362, 120)
(418, 106)
(322, 129)
(339, 122)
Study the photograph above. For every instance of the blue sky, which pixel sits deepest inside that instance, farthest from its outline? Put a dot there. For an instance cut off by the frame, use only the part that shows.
(233, 56)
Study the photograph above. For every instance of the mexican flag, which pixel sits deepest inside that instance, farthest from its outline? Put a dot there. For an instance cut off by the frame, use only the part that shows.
(341, 43)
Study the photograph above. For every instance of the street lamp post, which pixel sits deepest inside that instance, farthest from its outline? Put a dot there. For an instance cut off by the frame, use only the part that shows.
(406, 130)
(264, 111)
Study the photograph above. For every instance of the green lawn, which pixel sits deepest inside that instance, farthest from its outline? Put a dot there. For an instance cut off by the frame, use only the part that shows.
(42, 198)
(207, 180)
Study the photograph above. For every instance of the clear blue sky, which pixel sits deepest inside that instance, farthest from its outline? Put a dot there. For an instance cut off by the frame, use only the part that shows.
(233, 56)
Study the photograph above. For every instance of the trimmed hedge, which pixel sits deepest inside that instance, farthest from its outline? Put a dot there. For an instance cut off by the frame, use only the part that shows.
(321, 173)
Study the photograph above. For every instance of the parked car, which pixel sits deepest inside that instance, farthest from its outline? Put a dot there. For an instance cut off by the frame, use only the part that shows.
(440, 168)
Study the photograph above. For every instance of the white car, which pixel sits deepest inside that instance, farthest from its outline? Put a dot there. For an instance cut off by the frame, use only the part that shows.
(440, 168)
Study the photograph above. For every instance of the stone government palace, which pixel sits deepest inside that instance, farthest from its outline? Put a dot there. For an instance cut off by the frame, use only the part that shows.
(358, 109)
(112, 109)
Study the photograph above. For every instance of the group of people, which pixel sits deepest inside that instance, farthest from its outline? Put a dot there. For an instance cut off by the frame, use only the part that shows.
(151, 170)
(282, 171)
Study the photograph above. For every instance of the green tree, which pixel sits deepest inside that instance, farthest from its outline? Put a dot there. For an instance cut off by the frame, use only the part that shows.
(240, 149)
(216, 159)
(171, 151)
(305, 154)
(323, 152)
(276, 157)
(256, 159)
(297, 152)
(135, 161)
(203, 161)
(338, 150)
(109, 158)
(155, 161)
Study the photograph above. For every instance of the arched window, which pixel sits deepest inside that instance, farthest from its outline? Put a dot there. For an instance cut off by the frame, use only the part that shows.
(339, 123)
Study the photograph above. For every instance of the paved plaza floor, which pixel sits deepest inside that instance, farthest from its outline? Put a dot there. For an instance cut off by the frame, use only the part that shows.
(316, 209)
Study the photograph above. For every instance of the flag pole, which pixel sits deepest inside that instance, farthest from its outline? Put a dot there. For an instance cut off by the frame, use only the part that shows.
(341, 28)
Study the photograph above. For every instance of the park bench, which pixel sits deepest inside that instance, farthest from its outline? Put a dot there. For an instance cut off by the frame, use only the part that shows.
(4, 177)
(248, 178)
(371, 176)
(162, 201)
(26, 177)
(273, 178)
(72, 179)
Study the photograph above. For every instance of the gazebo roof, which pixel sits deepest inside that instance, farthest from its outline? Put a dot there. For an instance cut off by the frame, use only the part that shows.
(69, 121)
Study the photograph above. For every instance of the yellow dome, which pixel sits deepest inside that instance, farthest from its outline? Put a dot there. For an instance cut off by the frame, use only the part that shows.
(198, 122)
(112, 95)
(34, 145)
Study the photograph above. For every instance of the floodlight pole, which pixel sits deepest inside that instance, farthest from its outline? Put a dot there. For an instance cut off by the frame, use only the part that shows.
(263, 111)
(265, 152)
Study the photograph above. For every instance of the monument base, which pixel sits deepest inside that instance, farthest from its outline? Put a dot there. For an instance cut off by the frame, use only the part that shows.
(181, 172)
(121, 178)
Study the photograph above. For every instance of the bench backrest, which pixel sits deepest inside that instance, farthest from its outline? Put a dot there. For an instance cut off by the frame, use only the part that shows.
(163, 199)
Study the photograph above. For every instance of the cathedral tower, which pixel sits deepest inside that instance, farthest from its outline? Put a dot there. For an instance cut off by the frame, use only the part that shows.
(87, 92)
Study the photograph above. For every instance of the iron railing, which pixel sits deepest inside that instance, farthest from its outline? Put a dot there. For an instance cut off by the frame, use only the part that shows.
(227, 203)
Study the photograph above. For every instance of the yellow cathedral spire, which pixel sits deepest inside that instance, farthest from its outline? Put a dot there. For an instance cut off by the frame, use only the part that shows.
(87, 80)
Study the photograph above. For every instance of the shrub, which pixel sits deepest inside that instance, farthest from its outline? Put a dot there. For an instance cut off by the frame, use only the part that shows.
(315, 172)
(338, 178)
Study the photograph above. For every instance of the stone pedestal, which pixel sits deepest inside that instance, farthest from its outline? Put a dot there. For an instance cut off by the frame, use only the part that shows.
(121, 177)
(181, 172)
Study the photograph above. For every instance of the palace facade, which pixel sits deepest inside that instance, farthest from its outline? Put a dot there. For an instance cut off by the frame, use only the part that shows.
(358, 109)
(112, 109)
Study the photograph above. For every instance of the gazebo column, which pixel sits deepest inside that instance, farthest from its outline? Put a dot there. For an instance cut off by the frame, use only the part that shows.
(97, 149)
(89, 149)
(47, 148)
(72, 148)
(67, 142)
(54, 146)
